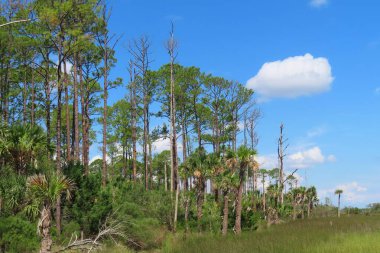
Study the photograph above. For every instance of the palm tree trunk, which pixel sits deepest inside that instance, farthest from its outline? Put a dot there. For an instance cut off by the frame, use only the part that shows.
(44, 229)
(339, 206)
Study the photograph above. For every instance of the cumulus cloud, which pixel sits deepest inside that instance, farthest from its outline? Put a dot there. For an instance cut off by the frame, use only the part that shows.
(298, 160)
(93, 159)
(164, 144)
(353, 192)
(267, 161)
(307, 158)
(292, 77)
(161, 145)
(318, 3)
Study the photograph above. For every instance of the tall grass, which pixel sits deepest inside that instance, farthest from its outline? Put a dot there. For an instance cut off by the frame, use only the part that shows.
(353, 234)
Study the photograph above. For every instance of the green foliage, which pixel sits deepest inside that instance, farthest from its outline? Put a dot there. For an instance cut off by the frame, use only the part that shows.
(147, 215)
(18, 235)
(91, 204)
(12, 191)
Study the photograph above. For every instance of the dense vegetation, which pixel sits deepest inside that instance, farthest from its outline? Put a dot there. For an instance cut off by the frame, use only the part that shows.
(55, 64)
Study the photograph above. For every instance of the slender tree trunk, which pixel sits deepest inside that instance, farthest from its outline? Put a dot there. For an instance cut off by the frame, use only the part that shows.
(25, 96)
(105, 97)
(123, 173)
(58, 145)
(264, 197)
(225, 213)
(187, 203)
(166, 177)
(66, 84)
(200, 200)
(339, 206)
(85, 121)
(145, 143)
(239, 199)
(281, 164)
(134, 130)
(32, 110)
(253, 190)
(75, 112)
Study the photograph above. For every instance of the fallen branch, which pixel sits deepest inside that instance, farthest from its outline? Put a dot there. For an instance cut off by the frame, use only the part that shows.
(110, 229)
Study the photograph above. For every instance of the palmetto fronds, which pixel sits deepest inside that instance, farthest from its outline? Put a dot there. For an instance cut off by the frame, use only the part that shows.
(47, 188)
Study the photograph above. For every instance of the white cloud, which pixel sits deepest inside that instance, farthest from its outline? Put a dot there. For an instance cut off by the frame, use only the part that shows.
(318, 3)
(292, 77)
(161, 145)
(298, 160)
(353, 192)
(93, 159)
(267, 161)
(306, 159)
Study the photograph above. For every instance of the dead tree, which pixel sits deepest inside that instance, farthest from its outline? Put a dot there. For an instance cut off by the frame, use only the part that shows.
(171, 46)
(140, 53)
(282, 146)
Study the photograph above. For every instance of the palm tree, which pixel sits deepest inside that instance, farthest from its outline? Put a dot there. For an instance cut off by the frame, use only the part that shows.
(244, 156)
(311, 196)
(298, 196)
(225, 179)
(21, 145)
(44, 190)
(339, 193)
(198, 165)
(263, 173)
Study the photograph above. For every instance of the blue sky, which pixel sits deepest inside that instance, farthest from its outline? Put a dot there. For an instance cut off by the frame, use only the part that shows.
(324, 86)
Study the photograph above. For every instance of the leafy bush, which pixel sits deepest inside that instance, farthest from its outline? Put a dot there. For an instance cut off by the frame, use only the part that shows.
(18, 235)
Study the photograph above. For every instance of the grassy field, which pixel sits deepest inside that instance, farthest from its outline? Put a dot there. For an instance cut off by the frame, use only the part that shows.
(355, 234)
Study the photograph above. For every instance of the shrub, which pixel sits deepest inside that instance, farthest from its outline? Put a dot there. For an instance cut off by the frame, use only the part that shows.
(18, 235)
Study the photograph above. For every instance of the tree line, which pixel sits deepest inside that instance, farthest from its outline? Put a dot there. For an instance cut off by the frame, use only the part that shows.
(55, 81)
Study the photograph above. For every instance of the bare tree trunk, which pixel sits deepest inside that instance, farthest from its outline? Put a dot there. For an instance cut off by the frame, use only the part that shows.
(25, 95)
(66, 84)
(339, 206)
(145, 142)
(254, 190)
(105, 97)
(225, 213)
(281, 149)
(75, 111)
(264, 197)
(171, 46)
(133, 120)
(85, 121)
(239, 199)
(58, 146)
(166, 177)
(123, 174)
(32, 110)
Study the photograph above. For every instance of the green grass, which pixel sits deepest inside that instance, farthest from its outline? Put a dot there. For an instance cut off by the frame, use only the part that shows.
(355, 234)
